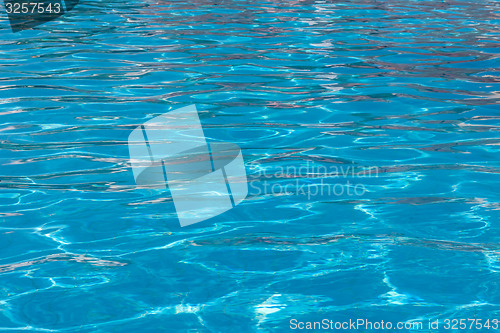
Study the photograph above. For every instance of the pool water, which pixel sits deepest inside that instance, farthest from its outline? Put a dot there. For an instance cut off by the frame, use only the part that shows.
(315, 93)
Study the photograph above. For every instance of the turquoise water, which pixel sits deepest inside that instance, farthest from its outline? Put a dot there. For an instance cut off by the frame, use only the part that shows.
(407, 88)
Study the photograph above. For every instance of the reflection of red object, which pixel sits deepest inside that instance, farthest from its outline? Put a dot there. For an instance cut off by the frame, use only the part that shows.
(69, 257)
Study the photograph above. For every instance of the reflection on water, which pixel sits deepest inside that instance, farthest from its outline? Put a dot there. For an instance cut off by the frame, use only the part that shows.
(409, 87)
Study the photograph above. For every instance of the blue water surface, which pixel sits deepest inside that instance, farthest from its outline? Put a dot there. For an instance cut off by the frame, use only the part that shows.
(407, 88)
